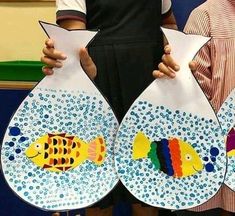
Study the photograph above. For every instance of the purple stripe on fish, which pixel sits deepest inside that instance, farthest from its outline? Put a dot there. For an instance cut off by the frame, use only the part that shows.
(230, 145)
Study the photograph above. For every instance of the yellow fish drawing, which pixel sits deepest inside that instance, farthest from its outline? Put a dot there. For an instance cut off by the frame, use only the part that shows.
(173, 156)
(61, 152)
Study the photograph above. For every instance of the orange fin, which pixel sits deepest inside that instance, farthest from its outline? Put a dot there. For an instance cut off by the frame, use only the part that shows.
(97, 150)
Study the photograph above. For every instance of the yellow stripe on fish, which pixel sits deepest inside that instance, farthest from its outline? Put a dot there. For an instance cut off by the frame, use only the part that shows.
(61, 152)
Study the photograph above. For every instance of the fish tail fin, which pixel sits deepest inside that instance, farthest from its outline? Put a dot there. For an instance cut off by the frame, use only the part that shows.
(97, 150)
(141, 146)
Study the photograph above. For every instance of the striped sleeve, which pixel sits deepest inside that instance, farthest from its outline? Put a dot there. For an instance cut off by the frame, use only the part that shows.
(68, 9)
(198, 23)
(166, 6)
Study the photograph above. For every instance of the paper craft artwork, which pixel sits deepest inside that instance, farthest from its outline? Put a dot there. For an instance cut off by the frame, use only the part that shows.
(167, 135)
(57, 152)
(226, 117)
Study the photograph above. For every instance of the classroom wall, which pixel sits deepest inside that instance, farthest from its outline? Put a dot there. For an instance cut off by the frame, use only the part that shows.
(21, 36)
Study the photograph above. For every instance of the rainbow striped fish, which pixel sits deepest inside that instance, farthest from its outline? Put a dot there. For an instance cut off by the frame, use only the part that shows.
(173, 156)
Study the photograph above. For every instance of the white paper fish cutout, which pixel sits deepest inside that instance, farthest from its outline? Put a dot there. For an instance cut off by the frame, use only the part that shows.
(57, 152)
(166, 135)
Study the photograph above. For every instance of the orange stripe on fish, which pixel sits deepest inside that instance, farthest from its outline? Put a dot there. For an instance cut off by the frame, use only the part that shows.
(100, 158)
(50, 151)
(51, 162)
(102, 148)
(59, 161)
(70, 142)
(67, 161)
(77, 154)
(101, 140)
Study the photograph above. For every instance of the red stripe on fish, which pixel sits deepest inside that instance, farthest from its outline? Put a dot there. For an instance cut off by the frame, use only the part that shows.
(176, 157)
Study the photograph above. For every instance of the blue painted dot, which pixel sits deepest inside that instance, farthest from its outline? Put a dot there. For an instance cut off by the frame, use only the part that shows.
(214, 151)
(18, 151)
(213, 159)
(11, 158)
(19, 188)
(14, 131)
(205, 158)
(22, 139)
(11, 144)
(209, 167)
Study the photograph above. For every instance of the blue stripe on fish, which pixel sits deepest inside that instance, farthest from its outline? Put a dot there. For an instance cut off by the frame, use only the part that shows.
(167, 157)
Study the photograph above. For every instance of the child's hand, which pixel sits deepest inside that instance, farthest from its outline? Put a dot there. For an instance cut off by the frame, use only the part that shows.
(54, 58)
(87, 63)
(168, 67)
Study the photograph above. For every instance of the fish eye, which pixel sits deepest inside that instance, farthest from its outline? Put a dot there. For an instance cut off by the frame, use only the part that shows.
(37, 146)
(188, 157)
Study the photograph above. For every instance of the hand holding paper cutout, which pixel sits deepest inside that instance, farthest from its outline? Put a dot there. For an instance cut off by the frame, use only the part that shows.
(168, 67)
(54, 58)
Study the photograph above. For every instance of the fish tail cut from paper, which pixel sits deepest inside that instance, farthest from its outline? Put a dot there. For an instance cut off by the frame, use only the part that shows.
(97, 150)
(141, 146)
